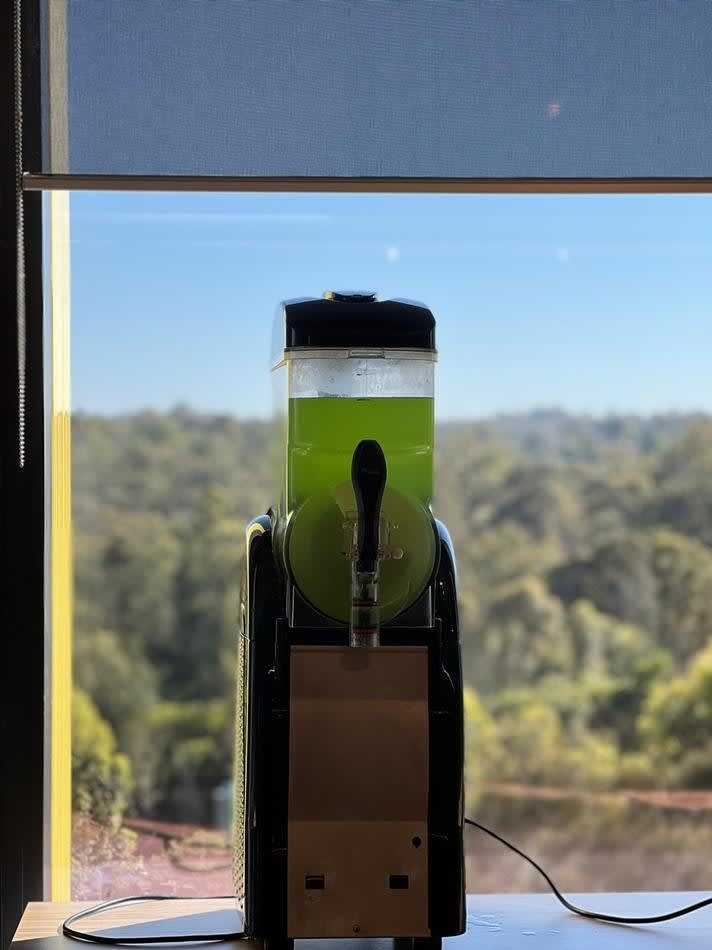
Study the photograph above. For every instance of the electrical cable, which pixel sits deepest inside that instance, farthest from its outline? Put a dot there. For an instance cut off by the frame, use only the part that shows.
(581, 911)
(69, 931)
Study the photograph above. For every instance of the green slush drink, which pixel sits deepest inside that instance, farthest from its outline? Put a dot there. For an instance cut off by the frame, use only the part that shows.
(322, 435)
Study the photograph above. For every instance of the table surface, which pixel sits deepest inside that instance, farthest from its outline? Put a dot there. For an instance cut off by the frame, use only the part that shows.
(496, 921)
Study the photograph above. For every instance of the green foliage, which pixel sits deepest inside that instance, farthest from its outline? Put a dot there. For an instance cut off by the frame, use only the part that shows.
(101, 777)
(675, 722)
(540, 500)
(683, 571)
(523, 635)
(618, 579)
(545, 738)
(506, 552)
(584, 565)
(657, 580)
(683, 499)
(532, 738)
(483, 751)
(139, 563)
(603, 645)
(191, 751)
(123, 687)
(616, 703)
(201, 659)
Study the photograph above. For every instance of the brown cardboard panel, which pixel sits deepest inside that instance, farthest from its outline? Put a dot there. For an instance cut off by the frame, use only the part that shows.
(358, 793)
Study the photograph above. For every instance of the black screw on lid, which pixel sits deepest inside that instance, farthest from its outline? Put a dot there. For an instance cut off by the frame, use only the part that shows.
(351, 296)
(344, 318)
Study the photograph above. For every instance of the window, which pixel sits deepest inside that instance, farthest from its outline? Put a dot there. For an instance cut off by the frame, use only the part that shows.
(604, 509)
(572, 446)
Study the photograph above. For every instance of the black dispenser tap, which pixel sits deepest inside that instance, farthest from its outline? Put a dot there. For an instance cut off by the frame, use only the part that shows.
(368, 477)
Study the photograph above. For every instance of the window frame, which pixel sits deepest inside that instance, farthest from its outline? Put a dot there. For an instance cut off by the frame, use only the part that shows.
(36, 181)
(23, 809)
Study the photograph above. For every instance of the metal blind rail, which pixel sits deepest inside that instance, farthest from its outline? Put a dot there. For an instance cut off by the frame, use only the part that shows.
(217, 183)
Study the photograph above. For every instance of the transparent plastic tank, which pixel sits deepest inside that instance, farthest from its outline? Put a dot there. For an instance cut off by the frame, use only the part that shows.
(334, 399)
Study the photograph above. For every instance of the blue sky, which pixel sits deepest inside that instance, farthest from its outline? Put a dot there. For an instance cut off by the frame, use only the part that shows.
(588, 303)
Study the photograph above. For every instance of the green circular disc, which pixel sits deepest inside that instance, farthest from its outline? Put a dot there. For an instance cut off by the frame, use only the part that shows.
(322, 571)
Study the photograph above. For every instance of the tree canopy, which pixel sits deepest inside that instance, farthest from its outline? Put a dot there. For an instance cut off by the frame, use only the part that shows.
(584, 561)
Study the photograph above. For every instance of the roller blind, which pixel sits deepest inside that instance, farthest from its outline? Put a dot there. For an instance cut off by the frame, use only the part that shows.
(413, 88)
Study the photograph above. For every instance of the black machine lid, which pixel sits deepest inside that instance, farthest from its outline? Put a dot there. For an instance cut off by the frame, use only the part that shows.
(355, 319)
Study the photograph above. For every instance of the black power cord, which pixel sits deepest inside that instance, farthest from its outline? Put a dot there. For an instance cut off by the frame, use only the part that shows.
(69, 931)
(581, 911)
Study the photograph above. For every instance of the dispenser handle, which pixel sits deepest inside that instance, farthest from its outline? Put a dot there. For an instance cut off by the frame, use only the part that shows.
(368, 477)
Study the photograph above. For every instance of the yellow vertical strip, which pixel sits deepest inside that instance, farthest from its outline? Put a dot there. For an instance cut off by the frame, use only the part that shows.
(61, 593)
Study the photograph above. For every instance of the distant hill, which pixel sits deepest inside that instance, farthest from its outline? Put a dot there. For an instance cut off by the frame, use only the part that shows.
(549, 434)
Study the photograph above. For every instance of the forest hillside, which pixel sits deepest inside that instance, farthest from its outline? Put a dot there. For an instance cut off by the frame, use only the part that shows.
(585, 567)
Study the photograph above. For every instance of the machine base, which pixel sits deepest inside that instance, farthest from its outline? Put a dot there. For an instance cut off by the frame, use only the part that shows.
(279, 943)
(399, 943)
(417, 943)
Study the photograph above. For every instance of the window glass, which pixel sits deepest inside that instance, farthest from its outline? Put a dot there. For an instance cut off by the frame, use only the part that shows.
(574, 463)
